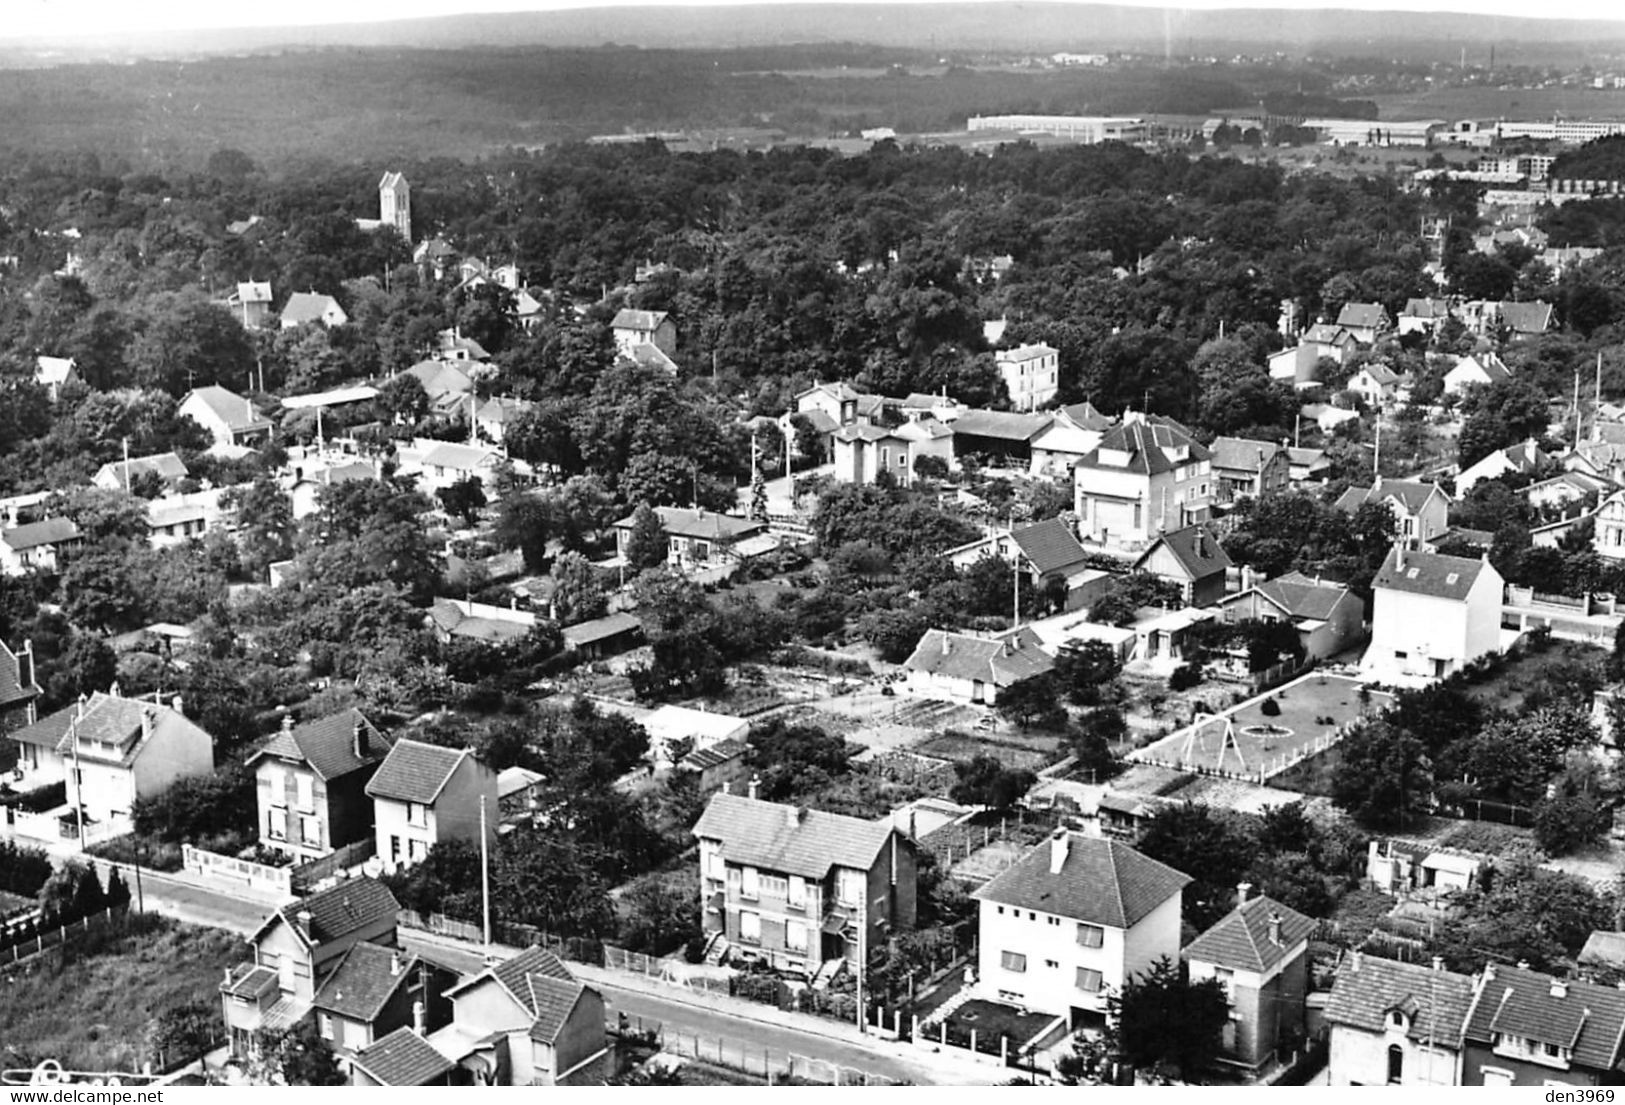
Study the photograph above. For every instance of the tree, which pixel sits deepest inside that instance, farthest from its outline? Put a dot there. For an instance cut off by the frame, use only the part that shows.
(1211, 846)
(404, 399)
(984, 781)
(181, 1033)
(265, 525)
(1164, 1020)
(463, 499)
(1385, 777)
(298, 1056)
(795, 758)
(1033, 701)
(646, 543)
(659, 915)
(1082, 671)
(578, 595)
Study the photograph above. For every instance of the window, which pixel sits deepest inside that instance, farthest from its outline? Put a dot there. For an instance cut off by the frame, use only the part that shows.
(1397, 1019)
(1396, 1064)
(305, 786)
(1088, 980)
(798, 891)
(849, 886)
(324, 1022)
(1227, 979)
(417, 849)
(775, 886)
(750, 928)
(1091, 936)
(1552, 1051)
(714, 867)
(1013, 961)
(1052, 964)
(355, 1035)
(750, 884)
(279, 788)
(1054, 920)
(1001, 911)
(795, 935)
(417, 814)
(278, 827)
(310, 830)
(395, 849)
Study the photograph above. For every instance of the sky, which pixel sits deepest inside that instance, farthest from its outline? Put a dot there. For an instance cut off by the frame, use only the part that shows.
(24, 18)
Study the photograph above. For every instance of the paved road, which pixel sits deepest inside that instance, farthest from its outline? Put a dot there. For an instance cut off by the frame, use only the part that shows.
(195, 905)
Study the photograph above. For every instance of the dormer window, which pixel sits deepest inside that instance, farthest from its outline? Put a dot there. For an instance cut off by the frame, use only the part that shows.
(1397, 1019)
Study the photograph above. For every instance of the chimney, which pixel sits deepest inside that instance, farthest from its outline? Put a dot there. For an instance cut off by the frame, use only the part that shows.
(1523, 964)
(419, 1020)
(728, 786)
(303, 919)
(1560, 988)
(1399, 556)
(1438, 963)
(287, 722)
(1355, 959)
(793, 815)
(177, 705)
(394, 964)
(1058, 845)
(28, 651)
(1242, 890)
(1489, 972)
(947, 644)
(360, 735)
(146, 723)
(228, 975)
(1275, 929)
(755, 785)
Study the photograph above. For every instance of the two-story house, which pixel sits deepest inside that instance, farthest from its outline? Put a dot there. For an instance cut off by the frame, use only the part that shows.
(1422, 315)
(18, 694)
(1243, 467)
(37, 546)
(1045, 551)
(1192, 560)
(1375, 384)
(227, 417)
(1396, 1024)
(120, 475)
(1365, 322)
(801, 889)
(1528, 1028)
(1072, 434)
(1431, 615)
(423, 794)
(1481, 369)
(526, 1021)
(1328, 616)
(376, 989)
(251, 303)
(695, 537)
(311, 783)
(1031, 375)
(1146, 476)
(966, 668)
(296, 949)
(1072, 921)
(631, 329)
(1421, 510)
(1608, 538)
(1259, 952)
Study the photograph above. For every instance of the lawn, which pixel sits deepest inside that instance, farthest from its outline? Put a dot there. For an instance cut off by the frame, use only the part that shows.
(1562, 664)
(89, 1005)
(1312, 707)
(1024, 752)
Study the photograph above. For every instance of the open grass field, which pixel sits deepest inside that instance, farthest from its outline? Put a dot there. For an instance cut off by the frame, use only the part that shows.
(90, 1006)
(1312, 709)
(1018, 752)
(1451, 104)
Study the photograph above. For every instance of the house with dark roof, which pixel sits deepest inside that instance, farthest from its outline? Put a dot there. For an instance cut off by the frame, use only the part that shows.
(1308, 465)
(1528, 1028)
(425, 793)
(311, 783)
(1328, 616)
(36, 546)
(1244, 467)
(696, 537)
(18, 693)
(526, 1021)
(251, 303)
(1147, 475)
(1070, 436)
(1072, 921)
(717, 766)
(1376, 384)
(296, 950)
(1525, 320)
(495, 415)
(631, 329)
(1421, 510)
(1192, 560)
(1396, 1024)
(999, 438)
(1327, 340)
(403, 1058)
(226, 416)
(863, 451)
(1047, 551)
(119, 475)
(967, 668)
(376, 989)
(1422, 315)
(1431, 615)
(799, 889)
(1365, 322)
(1259, 953)
(604, 636)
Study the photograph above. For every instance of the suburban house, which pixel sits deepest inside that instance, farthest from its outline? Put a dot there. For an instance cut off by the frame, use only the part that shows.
(1307, 465)
(434, 257)
(423, 794)
(445, 383)
(119, 475)
(631, 329)
(1298, 366)
(395, 204)
(1528, 1028)
(228, 418)
(1482, 369)
(1072, 921)
(176, 519)
(1192, 560)
(1328, 616)
(1430, 615)
(1421, 510)
(831, 406)
(251, 303)
(494, 416)
(1146, 476)
(1524, 458)
(1396, 1024)
(671, 727)
(1422, 315)
(1525, 320)
(1566, 488)
(446, 462)
(111, 751)
(306, 491)
(801, 889)
(36, 546)
(311, 783)
(1259, 952)
(1031, 375)
(377, 989)
(1047, 552)
(304, 307)
(1326, 340)
(453, 346)
(864, 450)
(1365, 322)
(479, 621)
(53, 373)
(18, 692)
(604, 636)
(697, 536)
(1244, 467)
(999, 438)
(963, 667)
(403, 1058)
(1375, 384)
(296, 948)
(1071, 435)
(717, 767)
(1608, 539)
(526, 1021)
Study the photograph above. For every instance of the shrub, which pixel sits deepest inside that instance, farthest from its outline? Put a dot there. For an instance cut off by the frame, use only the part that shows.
(1185, 676)
(1270, 708)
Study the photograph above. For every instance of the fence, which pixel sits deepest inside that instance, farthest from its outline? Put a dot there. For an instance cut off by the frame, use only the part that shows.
(244, 872)
(308, 874)
(52, 938)
(678, 972)
(579, 949)
(958, 840)
(749, 1058)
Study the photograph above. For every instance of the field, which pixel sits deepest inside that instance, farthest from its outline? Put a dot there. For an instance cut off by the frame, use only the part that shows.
(91, 1007)
(1312, 708)
(1511, 103)
(1016, 750)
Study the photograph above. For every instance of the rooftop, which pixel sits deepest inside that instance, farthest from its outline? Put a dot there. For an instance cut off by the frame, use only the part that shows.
(1241, 939)
(415, 772)
(350, 906)
(403, 1058)
(328, 744)
(1100, 882)
(1432, 574)
(1369, 988)
(786, 839)
(1002, 661)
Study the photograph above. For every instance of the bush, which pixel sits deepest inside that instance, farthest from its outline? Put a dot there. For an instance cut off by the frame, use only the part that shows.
(1185, 676)
(201, 806)
(1270, 708)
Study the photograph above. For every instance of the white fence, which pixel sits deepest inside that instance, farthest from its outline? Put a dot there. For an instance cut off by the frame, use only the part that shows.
(241, 872)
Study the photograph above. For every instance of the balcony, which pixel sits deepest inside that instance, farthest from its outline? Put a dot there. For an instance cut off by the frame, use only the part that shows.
(249, 991)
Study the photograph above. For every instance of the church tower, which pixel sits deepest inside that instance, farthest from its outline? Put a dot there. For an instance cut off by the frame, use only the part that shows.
(395, 204)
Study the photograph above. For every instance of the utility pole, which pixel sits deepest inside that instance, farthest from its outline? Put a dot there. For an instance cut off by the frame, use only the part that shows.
(485, 879)
(127, 466)
(78, 779)
(1577, 408)
(1015, 574)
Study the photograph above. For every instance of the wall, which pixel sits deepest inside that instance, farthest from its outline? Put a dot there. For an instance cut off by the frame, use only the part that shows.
(582, 1036)
(1358, 1057)
(1408, 622)
(1524, 1073)
(176, 750)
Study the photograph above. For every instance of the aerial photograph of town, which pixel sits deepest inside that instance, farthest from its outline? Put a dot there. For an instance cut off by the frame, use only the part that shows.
(811, 544)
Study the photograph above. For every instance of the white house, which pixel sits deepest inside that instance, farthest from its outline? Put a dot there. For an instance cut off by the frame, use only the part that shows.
(176, 519)
(303, 307)
(1031, 375)
(1074, 433)
(229, 418)
(1375, 384)
(34, 546)
(119, 475)
(1481, 368)
(1608, 539)
(423, 794)
(1259, 953)
(962, 667)
(1396, 1024)
(1146, 476)
(51, 373)
(863, 451)
(704, 728)
(1431, 614)
(1298, 366)
(631, 329)
(444, 463)
(1422, 315)
(1072, 921)
(395, 204)
(1523, 458)
(1421, 510)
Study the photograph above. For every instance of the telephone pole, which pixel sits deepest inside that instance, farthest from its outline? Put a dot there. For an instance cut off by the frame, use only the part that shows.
(485, 879)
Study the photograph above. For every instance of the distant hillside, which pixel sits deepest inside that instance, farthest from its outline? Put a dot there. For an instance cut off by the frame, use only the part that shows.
(971, 26)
